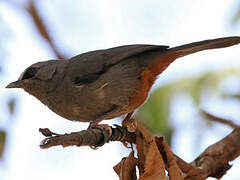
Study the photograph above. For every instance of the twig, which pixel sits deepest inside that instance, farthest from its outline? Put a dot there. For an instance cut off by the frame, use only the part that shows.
(187, 168)
(218, 119)
(41, 27)
(39, 24)
(93, 137)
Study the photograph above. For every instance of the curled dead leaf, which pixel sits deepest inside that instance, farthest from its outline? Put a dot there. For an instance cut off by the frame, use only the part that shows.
(151, 164)
(126, 169)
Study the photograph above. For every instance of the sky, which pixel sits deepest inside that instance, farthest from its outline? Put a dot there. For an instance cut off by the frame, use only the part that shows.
(80, 26)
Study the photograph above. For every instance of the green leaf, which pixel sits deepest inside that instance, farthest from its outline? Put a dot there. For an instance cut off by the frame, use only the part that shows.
(155, 112)
(2, 142)
(192, 86)
(195, 86)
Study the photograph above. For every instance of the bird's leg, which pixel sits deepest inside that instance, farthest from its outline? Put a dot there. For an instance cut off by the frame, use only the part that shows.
(130, 123)
(129, 115)
(94, 123)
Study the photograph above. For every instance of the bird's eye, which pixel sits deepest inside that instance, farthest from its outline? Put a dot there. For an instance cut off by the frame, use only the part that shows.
(30, 72)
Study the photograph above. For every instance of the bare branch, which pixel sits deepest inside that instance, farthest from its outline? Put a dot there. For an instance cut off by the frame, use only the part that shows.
(218, 119)
(213, 162)
(187, 168)
(41, 27)
(93, 137)
(215, 159)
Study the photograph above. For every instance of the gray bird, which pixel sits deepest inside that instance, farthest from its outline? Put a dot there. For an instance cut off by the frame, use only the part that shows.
(104, 84)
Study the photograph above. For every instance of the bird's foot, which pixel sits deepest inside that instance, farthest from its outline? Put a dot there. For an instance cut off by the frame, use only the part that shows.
(92, 124)
(95, 125)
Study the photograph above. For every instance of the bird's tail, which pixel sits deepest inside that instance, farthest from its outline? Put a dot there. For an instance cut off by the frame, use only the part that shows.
(191, 48)
(173, 53)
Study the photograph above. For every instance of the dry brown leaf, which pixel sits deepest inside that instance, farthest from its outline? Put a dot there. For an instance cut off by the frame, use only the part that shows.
(126, 169)
(154, 165)
(172, 167)
(143, 139)
(145, 133)
(151, 164)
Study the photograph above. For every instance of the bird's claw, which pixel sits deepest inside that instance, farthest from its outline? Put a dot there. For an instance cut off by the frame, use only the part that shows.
(130, 124)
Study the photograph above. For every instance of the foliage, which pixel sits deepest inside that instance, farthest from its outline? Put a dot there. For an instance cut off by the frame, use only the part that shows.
(10, 103)
(2, 142)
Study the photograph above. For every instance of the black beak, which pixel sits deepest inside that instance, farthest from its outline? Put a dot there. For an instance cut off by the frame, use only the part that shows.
(16, 84)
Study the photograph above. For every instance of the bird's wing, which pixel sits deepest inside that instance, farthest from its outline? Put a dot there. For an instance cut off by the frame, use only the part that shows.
(87, 67)
(116, 54)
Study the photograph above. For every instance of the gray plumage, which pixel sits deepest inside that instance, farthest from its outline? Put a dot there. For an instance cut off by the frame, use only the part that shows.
(102, 84)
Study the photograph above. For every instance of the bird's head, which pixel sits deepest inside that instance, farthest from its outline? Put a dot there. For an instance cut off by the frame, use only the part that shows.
(39, 78)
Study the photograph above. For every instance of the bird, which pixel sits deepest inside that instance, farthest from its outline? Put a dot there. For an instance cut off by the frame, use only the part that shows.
(108, 83)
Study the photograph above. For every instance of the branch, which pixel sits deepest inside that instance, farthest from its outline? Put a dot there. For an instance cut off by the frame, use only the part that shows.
(218, 119)
(213, 162)
(215, 159)
(41, 27)
(93, 137)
